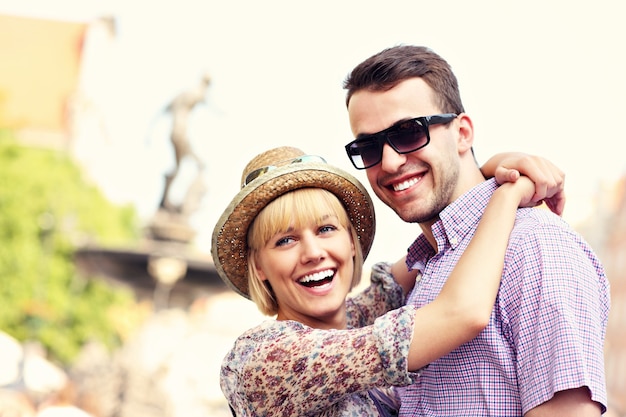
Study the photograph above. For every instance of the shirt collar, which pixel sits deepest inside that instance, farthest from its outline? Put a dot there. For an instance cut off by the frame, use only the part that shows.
(455, 221)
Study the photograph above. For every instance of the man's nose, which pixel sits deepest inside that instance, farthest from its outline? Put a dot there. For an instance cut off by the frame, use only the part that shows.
(390, 159)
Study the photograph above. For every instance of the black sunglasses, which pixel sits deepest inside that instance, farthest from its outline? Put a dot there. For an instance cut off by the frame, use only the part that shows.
(404, 137)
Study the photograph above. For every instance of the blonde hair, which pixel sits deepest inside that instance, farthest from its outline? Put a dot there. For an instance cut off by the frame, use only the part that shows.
(293, 209)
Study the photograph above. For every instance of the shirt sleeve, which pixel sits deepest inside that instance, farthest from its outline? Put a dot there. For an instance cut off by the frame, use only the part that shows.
(556, 305)
(382, 295)
(289, 369)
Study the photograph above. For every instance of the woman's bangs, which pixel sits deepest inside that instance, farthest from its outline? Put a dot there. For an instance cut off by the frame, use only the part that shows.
(295, 210)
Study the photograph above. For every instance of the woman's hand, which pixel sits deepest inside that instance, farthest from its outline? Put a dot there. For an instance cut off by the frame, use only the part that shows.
(548, 179)
(522, 191)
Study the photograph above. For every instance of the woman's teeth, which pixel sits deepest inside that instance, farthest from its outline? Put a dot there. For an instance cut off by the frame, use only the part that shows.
(317, 278)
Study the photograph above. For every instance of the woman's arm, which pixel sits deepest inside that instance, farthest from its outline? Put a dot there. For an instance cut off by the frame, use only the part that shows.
(548, 178)
(463, 307)
(270, 367)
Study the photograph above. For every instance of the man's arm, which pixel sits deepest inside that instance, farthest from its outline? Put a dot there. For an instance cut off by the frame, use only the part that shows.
(572, 402)
(402, 275)
(559, 328)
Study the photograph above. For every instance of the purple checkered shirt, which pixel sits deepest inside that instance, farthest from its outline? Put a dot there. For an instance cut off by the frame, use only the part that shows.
(547, 328)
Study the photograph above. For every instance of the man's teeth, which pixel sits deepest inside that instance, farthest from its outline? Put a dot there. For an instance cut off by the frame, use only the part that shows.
(405, 184)
(318, 276)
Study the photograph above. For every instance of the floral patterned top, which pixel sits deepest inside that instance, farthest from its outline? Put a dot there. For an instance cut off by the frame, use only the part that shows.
(285, 368)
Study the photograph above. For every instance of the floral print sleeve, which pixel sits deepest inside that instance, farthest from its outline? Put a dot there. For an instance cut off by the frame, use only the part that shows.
(288, 369)
(382, 295)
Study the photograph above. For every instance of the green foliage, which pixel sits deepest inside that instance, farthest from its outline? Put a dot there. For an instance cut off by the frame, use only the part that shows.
(46, 210)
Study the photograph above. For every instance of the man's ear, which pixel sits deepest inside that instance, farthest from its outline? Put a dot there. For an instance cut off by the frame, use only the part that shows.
(466, 133)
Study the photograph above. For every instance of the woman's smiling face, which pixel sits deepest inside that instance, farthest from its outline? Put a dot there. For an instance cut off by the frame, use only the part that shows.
(309, 264)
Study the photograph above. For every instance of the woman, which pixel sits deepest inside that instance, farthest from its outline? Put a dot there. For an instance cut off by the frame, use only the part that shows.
(293, 240)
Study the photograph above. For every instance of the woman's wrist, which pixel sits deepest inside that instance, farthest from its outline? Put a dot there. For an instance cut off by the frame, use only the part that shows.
(519, 192)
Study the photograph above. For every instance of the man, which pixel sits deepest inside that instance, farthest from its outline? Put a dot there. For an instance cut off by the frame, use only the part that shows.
(542, 353)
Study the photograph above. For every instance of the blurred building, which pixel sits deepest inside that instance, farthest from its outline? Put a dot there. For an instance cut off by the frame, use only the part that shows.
(51, 78)
(39, 76)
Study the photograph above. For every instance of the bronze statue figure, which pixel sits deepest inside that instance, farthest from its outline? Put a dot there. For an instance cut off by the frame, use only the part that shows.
(181, 108)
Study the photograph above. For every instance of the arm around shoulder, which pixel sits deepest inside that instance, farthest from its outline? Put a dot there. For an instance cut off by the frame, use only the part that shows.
(463, 307)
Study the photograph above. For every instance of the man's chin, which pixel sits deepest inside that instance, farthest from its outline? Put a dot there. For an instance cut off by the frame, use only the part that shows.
(409, 216)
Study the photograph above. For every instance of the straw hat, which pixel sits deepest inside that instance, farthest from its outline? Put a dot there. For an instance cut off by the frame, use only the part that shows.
(282, 170)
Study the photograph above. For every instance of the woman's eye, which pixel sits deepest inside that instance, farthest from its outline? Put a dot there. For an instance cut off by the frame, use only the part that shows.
(327, 228)
(284, 241)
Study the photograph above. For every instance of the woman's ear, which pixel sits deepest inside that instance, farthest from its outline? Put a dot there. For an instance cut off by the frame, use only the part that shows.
(253, 262)
(260, 274)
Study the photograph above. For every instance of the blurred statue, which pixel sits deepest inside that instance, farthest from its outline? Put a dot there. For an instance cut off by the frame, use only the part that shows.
(181, 108)
(170, 222)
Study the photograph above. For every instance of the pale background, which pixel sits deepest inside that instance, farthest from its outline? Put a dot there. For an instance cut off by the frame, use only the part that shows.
(543, 77)
(538, 76)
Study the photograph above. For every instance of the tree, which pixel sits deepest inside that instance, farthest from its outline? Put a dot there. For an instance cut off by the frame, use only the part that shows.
(47, 209)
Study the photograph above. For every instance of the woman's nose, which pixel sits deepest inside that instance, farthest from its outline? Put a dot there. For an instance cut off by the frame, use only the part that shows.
(312, 250)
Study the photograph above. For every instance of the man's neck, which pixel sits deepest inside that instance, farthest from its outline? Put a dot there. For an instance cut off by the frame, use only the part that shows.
(428, 233)
(475, 179)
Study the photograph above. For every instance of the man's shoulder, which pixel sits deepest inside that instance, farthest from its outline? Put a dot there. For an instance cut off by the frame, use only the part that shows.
(539, 233)
(539, 220)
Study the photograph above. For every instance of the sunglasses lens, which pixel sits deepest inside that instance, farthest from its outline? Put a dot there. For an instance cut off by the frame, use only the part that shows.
(409, 137)
(404, 137)
(365, 153)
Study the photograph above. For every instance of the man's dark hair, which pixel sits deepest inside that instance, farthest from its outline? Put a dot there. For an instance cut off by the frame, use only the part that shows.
(388, 68)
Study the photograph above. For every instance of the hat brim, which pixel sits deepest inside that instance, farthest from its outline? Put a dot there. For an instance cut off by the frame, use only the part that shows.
(229, 242)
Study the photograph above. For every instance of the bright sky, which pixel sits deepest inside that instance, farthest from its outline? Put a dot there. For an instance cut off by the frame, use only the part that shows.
(538, 76)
